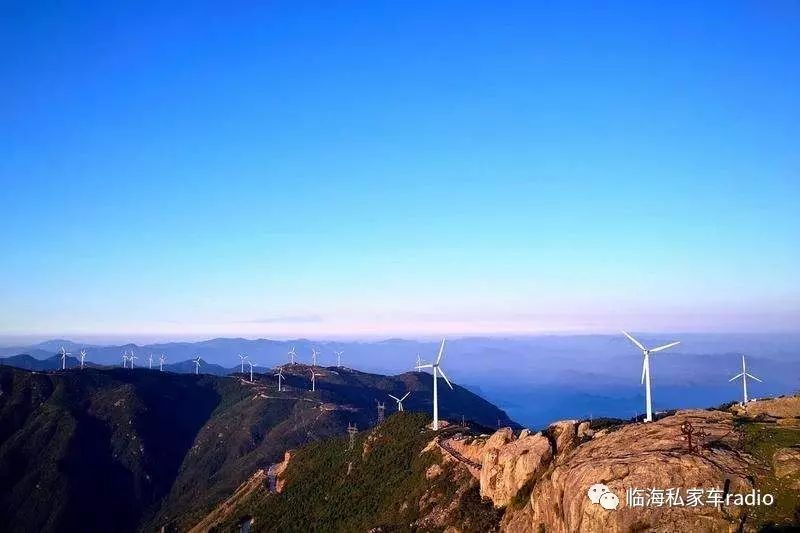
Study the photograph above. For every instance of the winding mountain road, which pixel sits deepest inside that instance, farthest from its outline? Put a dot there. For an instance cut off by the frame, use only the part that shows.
(473, 467)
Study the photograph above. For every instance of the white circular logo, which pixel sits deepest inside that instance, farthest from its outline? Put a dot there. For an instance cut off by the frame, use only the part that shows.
(601, 494)
(609, 501)
(597, 490)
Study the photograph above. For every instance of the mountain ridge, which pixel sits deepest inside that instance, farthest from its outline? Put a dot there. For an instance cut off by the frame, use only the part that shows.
(171, 445)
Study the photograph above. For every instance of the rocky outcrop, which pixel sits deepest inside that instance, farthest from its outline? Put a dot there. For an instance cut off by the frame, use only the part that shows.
(279, 469)
(541, 480)
(509, 464)
(565, 435)
(645, 456)
(642, 456)
(784, 411)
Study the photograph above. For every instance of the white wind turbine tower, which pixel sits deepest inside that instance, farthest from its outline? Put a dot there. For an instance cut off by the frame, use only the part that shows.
(744, 375)
(314, 354)
(242, 357)
(436, 369)
(252, 364)
(150, 361)
(400, 400)
(280, 379)
(64, 355)
(131, 357)
(291, 355)
(646, 370)
(338, 359)
(196, 365)
(161, 360)
(314, 380)
(83, 357)
(125, 359)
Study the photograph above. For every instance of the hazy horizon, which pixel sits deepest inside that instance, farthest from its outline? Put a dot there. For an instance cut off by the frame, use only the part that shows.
(145, 338)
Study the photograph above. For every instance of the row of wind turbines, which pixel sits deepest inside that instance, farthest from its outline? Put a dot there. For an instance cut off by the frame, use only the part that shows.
(131, 357)
(292, 354)
(436, 369)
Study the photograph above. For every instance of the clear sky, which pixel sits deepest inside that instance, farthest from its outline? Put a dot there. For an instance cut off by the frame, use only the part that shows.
(377, 168)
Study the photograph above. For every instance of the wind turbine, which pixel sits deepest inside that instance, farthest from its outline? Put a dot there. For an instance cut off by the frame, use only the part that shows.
(150, 361)
(280, 378)
(64, 355)
(419, 361)
(161, 362)
(646, 370)
(400, 400)
(291, 355)
(125, 359)
(436, 368)
(83, 357)
(314, 380)
(251, 369)
(338, 359)
(131, 357)
(242, 357)
(744, 375)
(314, 354)
(197, 365)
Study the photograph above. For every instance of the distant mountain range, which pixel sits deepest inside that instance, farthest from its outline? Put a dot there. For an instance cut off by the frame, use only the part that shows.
(535, 378)
(27, 362)
(127, 450)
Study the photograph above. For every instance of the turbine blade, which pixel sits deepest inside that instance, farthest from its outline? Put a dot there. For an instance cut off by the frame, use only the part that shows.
(406, 396)
(755, 378)
(737, 376)
(634, 341)
(670, 345)
(424, 366)
(441, 352)
(445, 377)
(394, 397)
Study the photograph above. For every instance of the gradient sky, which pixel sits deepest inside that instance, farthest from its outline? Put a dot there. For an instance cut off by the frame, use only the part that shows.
(376, 168)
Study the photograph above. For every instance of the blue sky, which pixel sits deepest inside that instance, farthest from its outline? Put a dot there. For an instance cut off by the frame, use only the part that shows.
(387, 168)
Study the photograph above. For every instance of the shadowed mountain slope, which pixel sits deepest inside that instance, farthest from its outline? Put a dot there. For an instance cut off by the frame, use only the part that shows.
(129, 449)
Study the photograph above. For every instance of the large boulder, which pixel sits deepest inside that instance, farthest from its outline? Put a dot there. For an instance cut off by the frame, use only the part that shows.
(509, 464)
(565, 435)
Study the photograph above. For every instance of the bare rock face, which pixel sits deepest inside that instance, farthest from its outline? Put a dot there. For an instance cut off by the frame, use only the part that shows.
(280, 470)
(499, 438)
(470, 448)
(565, 433)
(509, 464)
(635, 456)
(784, 410)
(585, 431)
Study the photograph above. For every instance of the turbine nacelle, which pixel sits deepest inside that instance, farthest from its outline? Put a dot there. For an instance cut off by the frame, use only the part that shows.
(744, 375)
(399, 400)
